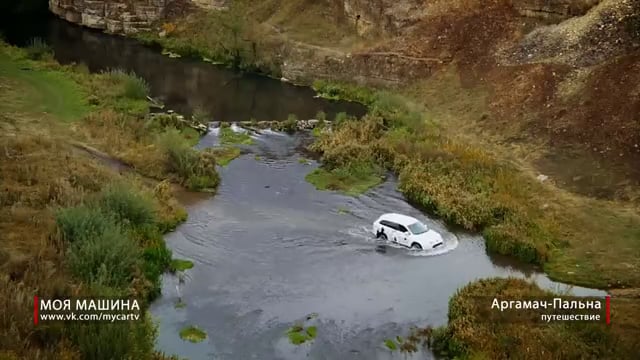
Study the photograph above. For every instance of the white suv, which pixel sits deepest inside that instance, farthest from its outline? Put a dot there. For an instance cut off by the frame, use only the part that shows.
(406, 231)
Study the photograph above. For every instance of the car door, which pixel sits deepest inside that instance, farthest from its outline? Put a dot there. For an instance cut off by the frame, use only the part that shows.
(395, 235)
(389, 229)
(403, 235)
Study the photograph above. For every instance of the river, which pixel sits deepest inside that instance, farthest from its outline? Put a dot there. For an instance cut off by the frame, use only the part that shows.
(269, 249)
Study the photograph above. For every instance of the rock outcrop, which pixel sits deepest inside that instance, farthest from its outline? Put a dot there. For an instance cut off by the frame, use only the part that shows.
(555, 10)
(383, 16)
(114, 16)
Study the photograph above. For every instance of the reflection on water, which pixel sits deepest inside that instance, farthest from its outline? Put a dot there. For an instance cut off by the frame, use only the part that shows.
(182, 84)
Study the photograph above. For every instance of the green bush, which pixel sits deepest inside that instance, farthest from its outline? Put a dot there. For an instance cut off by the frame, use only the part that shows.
(106, 259)
(133, 86)
(321, 116)
(110, 341)
(156, 260)
(136, 87)
(38, 49)
(340, 118)
(81, 223)
(341, 91)
(195, 169)
(291, 124)
(129, 208)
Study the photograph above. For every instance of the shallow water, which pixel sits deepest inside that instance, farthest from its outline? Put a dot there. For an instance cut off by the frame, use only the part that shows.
(269, 249)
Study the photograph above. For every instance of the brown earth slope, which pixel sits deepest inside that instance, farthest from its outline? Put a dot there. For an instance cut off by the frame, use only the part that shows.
(570, 88)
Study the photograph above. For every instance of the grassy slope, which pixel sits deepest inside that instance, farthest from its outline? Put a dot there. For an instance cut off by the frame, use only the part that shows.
(43, 173)
(46, 93)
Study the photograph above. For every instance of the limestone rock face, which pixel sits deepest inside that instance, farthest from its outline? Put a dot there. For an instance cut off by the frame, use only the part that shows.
(114, 16)
(387, 16)
(554, 9)
(391, 16)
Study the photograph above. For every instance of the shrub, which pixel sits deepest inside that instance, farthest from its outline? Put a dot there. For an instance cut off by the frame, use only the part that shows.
(195, 169)
(133, 86)
(291, 124)
(156, 260)
(123, 340)
(106, 259)
(38, 49)
(201, 115)
(340, 118)
(129, 208)
(136, 87)
(81, 223)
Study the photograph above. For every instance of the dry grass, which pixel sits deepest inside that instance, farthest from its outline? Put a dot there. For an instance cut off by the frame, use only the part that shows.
(477, 331)
(42, 172)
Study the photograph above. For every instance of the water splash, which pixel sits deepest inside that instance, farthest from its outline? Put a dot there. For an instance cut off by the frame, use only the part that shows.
(451, 242)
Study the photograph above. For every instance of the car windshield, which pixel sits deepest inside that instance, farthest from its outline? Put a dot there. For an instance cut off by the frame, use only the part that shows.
(418, 228)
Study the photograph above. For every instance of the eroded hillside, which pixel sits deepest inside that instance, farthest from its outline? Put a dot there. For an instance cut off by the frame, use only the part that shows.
(552, 82)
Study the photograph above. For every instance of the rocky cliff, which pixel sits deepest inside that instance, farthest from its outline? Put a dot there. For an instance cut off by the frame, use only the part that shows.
(114, 16)
(392, 16)
(554, 9)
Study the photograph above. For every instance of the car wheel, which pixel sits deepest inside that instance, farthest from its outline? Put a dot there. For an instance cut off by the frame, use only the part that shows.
(416, 246)
(383, 237)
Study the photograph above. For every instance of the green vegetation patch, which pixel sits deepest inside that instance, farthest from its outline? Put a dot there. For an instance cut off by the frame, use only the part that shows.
(193, 334)
(36, 90)
(298, 334)
(180, 304)
(471, 331)
(225, 154)
(181, 265)
(111, 236)
(229, 137)
(352, 180)
(390, 344)
(195, 169)
(341, 91)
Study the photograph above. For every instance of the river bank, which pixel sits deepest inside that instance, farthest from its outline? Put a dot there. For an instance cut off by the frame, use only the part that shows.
(66, 214)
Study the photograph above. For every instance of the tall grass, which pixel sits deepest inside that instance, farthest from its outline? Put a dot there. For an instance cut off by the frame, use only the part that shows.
(195, 169)
(111, 240)
(80, 223)
(128, 207)
(291, 124)
(133, 86)
(107, 259)
(476, 329)
(342, 91)
(38, 49)
(108, 341)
